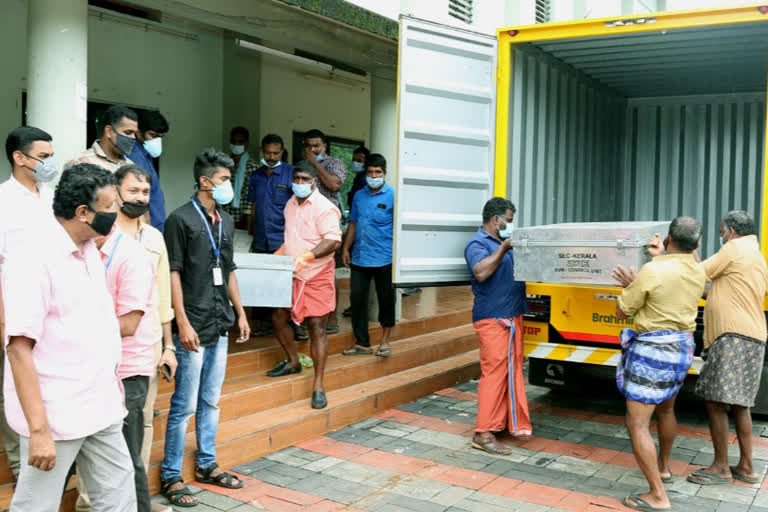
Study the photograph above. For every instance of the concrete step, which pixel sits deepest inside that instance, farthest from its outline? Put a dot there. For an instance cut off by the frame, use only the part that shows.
(249, 437)
(246, 395)
(260, 354)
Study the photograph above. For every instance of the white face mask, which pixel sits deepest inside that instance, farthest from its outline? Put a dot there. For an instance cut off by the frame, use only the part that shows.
(154, 147)
(266, 164)
(237, 150)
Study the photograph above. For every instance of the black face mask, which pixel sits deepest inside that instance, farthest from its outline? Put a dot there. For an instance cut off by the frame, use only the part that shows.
(134, 210)
(103, 222)
(123, 143)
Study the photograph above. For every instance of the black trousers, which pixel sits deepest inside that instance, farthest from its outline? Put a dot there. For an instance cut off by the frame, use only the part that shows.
(360, 285)
(136, 389)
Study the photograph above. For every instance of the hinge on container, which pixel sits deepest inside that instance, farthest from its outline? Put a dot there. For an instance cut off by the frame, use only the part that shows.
(620, 246)
(630, 21)
(524, 245)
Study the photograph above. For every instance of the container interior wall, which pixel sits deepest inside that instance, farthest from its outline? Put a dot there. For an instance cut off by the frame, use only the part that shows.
(698, 155)
(565, 142)
(581, 152)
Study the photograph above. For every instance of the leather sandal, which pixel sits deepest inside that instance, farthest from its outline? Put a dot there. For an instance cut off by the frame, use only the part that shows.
(174, 497)
(490, 445)
(223, 479)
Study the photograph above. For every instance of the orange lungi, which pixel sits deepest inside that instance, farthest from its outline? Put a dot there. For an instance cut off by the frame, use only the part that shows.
(316, 297)
(501, 400)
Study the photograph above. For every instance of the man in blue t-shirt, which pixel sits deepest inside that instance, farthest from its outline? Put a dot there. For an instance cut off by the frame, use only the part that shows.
(497, 315)
(369, 236)
(149, 144)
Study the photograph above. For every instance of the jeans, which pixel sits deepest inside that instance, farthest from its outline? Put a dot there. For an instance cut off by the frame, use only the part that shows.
(360, 284)
(199, 378)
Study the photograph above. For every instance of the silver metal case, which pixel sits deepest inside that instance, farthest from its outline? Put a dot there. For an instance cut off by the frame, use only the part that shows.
(581, 253)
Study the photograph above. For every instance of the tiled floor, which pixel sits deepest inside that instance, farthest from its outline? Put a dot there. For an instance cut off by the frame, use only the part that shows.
(417, 458)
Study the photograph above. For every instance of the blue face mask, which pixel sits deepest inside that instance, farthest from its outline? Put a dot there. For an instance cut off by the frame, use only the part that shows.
(507, 231)
(374, 183)
(302, 190)
(357, 167)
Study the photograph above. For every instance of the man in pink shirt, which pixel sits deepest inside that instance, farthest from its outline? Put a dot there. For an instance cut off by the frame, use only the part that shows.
(130, 281)
(63, 340)
(312, 234)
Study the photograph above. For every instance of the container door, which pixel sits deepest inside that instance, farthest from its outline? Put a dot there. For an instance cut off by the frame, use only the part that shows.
(446, 125)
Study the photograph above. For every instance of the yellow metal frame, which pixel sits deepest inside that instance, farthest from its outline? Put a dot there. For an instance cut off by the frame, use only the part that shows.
(596, 28)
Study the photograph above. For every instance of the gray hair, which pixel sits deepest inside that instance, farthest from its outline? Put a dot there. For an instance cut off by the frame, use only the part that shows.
(685, 232)
(741, 222)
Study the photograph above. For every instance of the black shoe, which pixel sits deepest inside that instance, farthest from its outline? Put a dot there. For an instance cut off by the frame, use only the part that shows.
(300, 333)
(283, 368)
(347, 312)
(318, 400)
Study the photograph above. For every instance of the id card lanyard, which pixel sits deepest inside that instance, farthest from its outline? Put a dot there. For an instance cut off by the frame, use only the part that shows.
(218, 278)
(112, 254)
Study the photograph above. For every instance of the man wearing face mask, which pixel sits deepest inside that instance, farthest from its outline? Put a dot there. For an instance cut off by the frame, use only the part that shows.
(118, 137)
(269, 189)
(497, 315)
(63, 396)
(153, 127)
(369, 236)
(331, 173)
(241, 207)
(143, 352)
(734, 337)
(25, 205)
(358, 167)
(312, 234)
(199, 236)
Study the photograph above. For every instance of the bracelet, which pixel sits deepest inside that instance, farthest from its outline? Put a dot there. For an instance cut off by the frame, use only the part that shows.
(170, 347)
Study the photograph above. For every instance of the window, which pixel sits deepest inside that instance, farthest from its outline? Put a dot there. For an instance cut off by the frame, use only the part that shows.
(543, 11)
(461, 9)
(340, 148)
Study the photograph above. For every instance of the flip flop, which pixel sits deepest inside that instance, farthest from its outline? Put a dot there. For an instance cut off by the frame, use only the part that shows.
(702, 478)
(639, 503)
(738, 475)
(383, 351)
(667, 479)
(356, 350)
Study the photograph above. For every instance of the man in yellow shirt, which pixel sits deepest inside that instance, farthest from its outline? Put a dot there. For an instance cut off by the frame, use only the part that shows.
(663, 298)
(734, 338)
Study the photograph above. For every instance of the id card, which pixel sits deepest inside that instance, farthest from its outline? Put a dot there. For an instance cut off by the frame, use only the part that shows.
(218, 280)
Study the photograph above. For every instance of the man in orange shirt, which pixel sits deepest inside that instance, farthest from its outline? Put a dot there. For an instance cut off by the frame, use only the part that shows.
(312, 234)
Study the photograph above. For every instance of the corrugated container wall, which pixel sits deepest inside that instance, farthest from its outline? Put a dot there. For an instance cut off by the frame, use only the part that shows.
(581, 152)
(699, 155)
(565, 142)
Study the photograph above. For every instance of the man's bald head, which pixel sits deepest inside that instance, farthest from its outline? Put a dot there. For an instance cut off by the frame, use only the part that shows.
(685, 233)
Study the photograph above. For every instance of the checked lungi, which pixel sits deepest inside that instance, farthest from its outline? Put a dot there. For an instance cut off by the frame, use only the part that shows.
(653, 365)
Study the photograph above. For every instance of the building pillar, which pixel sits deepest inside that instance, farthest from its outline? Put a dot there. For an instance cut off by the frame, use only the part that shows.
(384, 141)
(57, 72)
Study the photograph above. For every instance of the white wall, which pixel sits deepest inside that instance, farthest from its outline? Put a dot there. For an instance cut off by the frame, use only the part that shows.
(13, 55)
(186, 80)
(291, 101)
